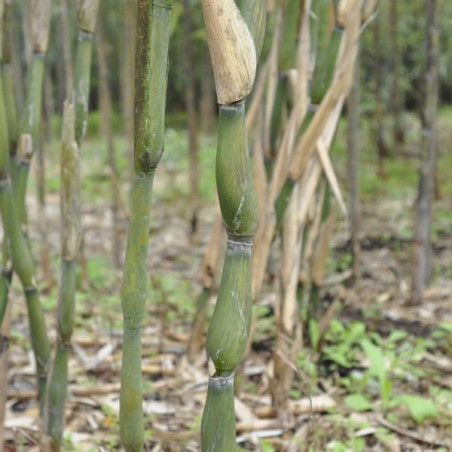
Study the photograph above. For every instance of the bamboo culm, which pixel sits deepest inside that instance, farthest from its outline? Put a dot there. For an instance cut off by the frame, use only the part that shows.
(12, 209)
(74, 126)
(229, 328)
(9, 110)
(151, 65)
(6, 269)
(70, 213)
(228, 331)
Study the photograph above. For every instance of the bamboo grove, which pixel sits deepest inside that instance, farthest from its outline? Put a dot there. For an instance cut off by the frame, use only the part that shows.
(282, 72)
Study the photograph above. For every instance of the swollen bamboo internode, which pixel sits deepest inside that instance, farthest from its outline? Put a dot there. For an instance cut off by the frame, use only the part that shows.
(234, 41)
(229, 328)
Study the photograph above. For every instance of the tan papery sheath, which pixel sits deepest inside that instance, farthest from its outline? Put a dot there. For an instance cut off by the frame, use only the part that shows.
(231, 48)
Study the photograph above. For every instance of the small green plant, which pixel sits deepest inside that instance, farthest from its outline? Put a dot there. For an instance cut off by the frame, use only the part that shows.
(359, 402)
(341, 341)
(265, 446)
(378, 369)
(420, 408)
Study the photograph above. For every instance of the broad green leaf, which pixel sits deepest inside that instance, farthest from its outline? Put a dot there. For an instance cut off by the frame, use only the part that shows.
(337, 357)
(397, 335)
(385, 391)
(420, 408)
(314, 334)
(446, 326)
(375, 356)
(265, 446)
(357, 330)
(358, 402)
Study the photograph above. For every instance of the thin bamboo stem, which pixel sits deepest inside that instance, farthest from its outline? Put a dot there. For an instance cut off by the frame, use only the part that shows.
(74, 125)
(7, 107)
(151, 63)
(106, 109)
(11, 212)
(190, 106)
(70, 213)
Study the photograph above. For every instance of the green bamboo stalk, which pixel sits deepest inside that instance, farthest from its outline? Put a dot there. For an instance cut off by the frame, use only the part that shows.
(23, 266)
(218, 428)
(151, 64)
(28, 137)
(12, 193)
(286, 192)
(324, 69)
(28, 132)
(74, 126)
(288, 44)
(229, 328)
(70, 213)
(314, 296)
(8, 80)
(279, 113)
(20, 255)
(6, 276)
(326, 43)
(86, 18)
(6, 270)
(9, 110)
(255, 17)
(286, 61)
(82, 75)
(228, 331)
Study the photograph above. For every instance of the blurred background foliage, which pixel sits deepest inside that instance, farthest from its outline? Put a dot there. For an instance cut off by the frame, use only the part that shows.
(409, 33)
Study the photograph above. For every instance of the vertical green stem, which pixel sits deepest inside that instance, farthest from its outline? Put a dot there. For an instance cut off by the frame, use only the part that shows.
(74, 126)
(21, 258)
(23, 266)
(218, 433)
(151, 65)
(70, 213)
(29, 132)
(133, 295)
(6, 275)
(228, 332)
(229, 329)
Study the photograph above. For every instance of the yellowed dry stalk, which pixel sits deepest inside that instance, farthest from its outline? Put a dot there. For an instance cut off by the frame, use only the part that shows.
(322, 249)
(368, 9)
(259, 173)
(259, 90)
(304, 148)
(302, 160)
(313, 221)
(209, 274)
(288, 339)
(40, 14)
(267, 222)
(299, 163)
